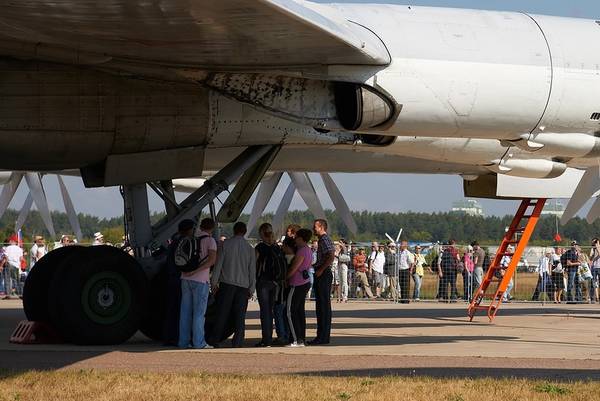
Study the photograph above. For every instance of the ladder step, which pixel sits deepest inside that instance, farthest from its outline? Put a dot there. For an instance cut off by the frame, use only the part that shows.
(506, 253)
(520, 229)
(527, 216)
(483, 307)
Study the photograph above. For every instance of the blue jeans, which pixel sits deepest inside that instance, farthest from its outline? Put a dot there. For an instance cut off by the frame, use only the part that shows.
(194, 298)
(417, 291)
(467, 285)
(544, 285)
(7, 274)
(595, 282)
(280, 322)
(311, 277)
(571, 283)
(507, 295)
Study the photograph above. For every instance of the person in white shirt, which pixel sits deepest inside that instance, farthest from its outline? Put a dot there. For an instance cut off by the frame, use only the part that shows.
(12, 270)
(544, 283)
(406, 262)
(376, 263)
(504, 263)
(37, 251)
(584, 275)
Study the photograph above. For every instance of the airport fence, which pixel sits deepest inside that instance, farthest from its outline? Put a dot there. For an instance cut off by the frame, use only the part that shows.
(525, 282)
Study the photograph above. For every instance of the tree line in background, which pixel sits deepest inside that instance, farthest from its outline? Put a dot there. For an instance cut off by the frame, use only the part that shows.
(421, 227)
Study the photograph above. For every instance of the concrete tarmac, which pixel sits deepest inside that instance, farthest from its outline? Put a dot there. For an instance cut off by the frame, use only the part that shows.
(559, 342)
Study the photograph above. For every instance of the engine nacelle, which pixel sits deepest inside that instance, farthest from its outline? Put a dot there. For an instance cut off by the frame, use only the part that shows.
(316, 103)
(532, 168)
(561, 145)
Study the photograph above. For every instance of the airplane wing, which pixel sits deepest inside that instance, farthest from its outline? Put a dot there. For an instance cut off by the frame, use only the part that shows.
(187, 33)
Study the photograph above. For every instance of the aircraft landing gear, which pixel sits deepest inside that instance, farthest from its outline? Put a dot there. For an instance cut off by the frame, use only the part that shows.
(101, 294)
(98, 296)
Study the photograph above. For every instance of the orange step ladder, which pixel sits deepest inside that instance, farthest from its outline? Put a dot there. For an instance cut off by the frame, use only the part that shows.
(518, 236)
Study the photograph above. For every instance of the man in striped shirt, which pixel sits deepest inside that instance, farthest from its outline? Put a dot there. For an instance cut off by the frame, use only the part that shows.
(322, 283)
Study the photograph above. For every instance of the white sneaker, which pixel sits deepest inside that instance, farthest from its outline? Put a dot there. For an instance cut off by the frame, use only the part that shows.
(208, 346)
(295, 345)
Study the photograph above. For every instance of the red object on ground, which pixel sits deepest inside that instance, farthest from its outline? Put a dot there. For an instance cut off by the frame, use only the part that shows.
(28, 332)
(557, 237)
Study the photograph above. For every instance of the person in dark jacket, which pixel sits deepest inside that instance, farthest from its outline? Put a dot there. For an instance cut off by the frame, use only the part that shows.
(173, 295)
(267, 285)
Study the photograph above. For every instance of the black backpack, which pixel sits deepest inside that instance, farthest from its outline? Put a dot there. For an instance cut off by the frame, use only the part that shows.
(187, 254)
(273, 264)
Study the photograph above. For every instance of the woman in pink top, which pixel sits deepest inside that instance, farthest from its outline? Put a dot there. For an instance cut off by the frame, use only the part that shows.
(468, 274)
(299, 284)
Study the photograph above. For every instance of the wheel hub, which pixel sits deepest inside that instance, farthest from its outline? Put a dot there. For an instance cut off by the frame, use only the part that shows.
(106, 297)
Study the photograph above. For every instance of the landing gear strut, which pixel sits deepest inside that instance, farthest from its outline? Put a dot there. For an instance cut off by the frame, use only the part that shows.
(102, 295)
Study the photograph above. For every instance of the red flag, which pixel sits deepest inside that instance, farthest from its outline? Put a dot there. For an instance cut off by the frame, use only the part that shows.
(557, 237)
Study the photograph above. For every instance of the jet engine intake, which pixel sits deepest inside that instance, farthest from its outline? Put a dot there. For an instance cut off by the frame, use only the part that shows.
(360, 108)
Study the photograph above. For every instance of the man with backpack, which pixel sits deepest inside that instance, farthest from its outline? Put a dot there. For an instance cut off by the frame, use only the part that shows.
(195, 256)
(271, 269)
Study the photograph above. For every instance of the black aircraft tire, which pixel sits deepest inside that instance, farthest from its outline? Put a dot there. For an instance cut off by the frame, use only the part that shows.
(98, 297)
(153, 324)
(37, 285)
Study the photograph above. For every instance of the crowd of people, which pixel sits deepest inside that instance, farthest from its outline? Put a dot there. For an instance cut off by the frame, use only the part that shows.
(281, 273)
(17, 259)
(232, 271)
(573, 270)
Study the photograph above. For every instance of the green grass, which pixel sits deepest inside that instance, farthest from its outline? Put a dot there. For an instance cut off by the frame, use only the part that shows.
(75, 385)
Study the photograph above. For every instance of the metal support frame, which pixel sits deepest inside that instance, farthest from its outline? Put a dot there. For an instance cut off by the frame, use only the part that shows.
(137, 217)
(193, 205)
(164, 189)
(213, 215)
(146, 238)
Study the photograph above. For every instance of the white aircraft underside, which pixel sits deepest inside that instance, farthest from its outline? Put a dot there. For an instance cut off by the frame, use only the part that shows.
(135, 91)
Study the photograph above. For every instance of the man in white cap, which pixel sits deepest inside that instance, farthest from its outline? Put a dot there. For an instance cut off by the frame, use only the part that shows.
(98, 239)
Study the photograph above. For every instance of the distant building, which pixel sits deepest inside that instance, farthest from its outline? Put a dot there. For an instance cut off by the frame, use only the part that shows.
(469, 207)
(553, 208)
